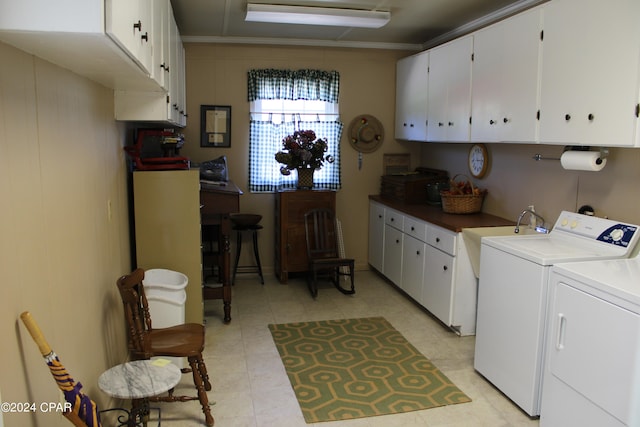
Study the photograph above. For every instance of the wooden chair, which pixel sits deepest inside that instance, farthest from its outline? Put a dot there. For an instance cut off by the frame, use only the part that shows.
(186, 340)
(322, 251)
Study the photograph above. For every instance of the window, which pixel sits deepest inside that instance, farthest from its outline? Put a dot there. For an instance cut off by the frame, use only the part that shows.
(283, 101)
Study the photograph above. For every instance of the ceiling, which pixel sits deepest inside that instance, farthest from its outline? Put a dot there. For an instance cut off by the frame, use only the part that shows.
(415, 24)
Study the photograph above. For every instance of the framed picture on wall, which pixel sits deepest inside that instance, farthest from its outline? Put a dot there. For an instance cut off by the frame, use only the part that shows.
(215, 126)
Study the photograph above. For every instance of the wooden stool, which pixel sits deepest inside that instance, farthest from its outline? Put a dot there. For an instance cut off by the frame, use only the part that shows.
(242, 223)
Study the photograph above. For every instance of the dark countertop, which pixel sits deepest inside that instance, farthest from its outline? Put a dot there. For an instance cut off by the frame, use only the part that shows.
(434, 215)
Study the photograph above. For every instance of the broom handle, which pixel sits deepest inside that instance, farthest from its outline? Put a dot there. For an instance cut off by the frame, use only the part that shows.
(36, 333)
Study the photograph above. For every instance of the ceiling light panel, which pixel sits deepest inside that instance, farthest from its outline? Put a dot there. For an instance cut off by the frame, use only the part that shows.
(316, 16)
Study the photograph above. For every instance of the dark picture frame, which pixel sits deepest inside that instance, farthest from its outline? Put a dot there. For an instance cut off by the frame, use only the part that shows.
(215, 126)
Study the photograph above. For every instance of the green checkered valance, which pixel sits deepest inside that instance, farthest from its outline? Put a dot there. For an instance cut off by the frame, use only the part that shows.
(313, 85)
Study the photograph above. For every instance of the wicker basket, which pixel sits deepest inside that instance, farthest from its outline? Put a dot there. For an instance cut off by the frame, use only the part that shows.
(462, 203)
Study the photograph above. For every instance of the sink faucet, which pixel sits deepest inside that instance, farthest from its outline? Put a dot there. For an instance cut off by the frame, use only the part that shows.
(530, 212)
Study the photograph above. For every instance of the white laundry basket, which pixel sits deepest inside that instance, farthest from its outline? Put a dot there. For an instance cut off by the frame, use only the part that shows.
(165, 290)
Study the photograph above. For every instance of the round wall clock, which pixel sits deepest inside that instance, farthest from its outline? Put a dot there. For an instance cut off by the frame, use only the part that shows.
(478, 160)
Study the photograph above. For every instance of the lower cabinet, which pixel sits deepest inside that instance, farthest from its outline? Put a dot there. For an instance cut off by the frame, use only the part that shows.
(392, 265)
(429, 263)
(376, 235)
(413, 261)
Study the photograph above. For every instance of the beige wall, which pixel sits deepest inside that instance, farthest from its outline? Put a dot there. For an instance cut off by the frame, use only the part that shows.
(217, 75)
(515, 180)
(61, 167)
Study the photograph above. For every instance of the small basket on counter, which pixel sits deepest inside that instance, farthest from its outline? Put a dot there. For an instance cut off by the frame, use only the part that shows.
(462, 197)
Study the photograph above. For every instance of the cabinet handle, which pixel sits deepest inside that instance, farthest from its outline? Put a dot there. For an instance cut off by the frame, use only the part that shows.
(445, 268)
(505, 120)
(450, 123)
(137, 25)
(590, 117)
(397, 241)
(164, 67)
(404, 124)
(145, 37)
(437, 240)
(391, 219)
(492, 122)
(440, 124)
(417, 252)
(413, 228)
(567, 117)
(380, 216)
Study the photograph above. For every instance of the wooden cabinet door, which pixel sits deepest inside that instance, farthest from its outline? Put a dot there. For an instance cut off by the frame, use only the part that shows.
(506, 81)
(393, 242)
(129, 24)
(413, 256)
(590, 70)
(438, 283)
(376, 235)
(449, 100)
(411, 97)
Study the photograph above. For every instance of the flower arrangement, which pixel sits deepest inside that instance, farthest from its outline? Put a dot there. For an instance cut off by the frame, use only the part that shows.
(302, 150)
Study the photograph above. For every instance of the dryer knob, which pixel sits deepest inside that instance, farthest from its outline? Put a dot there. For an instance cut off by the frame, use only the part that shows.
(617, 235)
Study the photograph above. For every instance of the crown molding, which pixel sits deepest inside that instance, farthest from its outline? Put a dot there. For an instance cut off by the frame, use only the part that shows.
(484, 21)
(302, 42)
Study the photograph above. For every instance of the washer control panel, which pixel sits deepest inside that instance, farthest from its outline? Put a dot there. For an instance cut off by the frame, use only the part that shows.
(600, 229)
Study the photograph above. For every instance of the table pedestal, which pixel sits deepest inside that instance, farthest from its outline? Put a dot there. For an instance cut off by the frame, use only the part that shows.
(138, 381)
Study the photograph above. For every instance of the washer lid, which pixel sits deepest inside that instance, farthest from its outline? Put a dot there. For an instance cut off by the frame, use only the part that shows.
(550, 249)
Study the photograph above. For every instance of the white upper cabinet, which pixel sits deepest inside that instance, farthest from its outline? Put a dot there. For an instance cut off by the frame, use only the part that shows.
(411, 97)
(505, 80)
(169, 105)
(590, 73)
(449, 99)
(97, 39)
(130, 25)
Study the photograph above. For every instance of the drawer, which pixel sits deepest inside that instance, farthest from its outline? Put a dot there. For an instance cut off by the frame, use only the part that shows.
(442, 239)
(415, 228)
(393, 218)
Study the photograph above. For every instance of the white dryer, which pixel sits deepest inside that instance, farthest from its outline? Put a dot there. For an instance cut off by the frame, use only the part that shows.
(512, 296)
(592, 369)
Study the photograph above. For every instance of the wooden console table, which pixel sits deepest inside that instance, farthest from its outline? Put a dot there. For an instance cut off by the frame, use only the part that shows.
(217, 202)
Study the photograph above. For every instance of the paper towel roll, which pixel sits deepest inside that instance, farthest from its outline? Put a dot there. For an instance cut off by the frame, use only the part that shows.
(582, 161)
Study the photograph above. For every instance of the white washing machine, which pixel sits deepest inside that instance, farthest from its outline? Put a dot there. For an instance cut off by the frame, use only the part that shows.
(592, 364)
(512, 297)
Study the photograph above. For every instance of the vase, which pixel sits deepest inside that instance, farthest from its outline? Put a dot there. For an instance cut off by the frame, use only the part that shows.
(305, 178)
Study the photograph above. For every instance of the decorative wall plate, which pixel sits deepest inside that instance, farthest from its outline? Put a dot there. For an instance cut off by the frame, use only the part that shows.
(365, 133)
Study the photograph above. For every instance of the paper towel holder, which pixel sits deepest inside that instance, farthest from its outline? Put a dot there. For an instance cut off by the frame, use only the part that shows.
(604, 153)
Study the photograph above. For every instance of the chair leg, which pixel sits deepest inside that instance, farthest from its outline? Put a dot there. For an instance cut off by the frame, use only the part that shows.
(351, 274)
(204, 375)
(257, 255)
(312, 282)
(195, 362)
(238, 249)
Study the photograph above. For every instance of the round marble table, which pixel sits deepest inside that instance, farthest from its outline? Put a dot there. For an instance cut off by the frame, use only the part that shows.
(138, 380)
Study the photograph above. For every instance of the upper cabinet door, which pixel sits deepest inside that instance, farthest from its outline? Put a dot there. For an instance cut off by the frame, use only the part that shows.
(411, 97)
(449, 100)
(129, 23)
(506, 80)
(590, 72)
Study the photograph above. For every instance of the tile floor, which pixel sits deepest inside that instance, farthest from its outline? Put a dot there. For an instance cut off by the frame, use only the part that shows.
(251, 389)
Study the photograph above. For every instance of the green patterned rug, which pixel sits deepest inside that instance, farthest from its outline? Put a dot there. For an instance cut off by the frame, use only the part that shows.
(353, 368)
